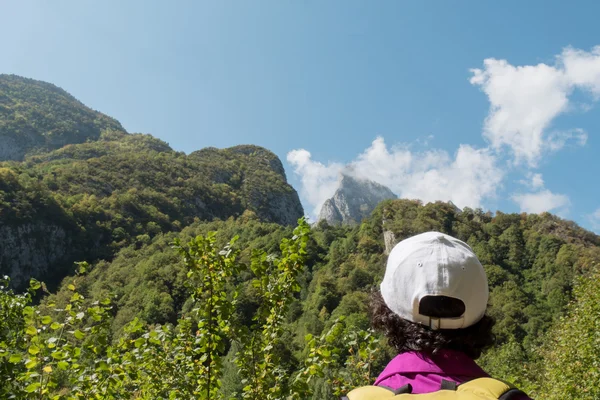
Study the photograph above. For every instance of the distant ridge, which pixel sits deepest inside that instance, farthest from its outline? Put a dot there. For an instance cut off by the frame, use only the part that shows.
(39, 116)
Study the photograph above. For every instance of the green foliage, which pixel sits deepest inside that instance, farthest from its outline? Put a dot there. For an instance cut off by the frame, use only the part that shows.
(209, 272)
(513, 363)
(276, 280)
(148, 281)
(342, 358)
(571, 367)
(37, 116)
(242, 332)
(65, 353)
(110, 194)
(531, 261)
(37, 351)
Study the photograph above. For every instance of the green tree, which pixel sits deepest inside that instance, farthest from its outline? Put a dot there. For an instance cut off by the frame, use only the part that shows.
(572, 349)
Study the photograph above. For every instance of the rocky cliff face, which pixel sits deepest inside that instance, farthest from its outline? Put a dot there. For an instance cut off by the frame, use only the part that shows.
(354, 200)
(282, 207)
(32, 249)
(280, 203)
(259, 175)
(10, 149)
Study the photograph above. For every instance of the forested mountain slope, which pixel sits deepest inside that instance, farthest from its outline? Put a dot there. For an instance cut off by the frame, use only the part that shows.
(87, 200)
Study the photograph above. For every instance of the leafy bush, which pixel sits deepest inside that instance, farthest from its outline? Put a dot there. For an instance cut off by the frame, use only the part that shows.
(65, 352)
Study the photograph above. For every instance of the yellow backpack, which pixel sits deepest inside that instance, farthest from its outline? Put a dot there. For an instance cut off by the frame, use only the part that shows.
(477, 389)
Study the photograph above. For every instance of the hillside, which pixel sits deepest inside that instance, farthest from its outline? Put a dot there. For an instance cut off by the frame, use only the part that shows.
(88, 200)
(122, 202)
(532, 262)
(38, 116)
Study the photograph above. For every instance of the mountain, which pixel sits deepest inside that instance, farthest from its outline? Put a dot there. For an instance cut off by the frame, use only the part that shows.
(353, 201)
(118, 200)
(38, 116)
(85, 201)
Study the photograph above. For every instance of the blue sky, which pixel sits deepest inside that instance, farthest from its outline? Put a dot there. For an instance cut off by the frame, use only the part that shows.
(387, 87)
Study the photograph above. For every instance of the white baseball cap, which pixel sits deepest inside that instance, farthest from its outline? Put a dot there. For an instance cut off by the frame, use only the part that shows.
(435, 264)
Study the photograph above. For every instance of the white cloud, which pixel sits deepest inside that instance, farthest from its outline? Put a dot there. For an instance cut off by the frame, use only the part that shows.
(537, 181)
(558, 140)
(524, 100)
(594, 219)
(319, 181)
(582, 68)
(540, 199)
(533, 181)
(543, 200)
(466, 179)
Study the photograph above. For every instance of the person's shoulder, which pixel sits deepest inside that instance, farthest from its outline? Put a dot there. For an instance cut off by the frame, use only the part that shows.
(498, 388)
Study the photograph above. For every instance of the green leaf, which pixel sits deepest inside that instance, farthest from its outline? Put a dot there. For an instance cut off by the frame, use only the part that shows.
(31, 331)
(33, 349)
(76, 296)
(33, 387)
(30, 364)
(46, 319)
(102, 366)
(15, 358)
(55, 326)
(82, 266)
(63, 365)
(71, 287)
(78, 334)
(34, 284)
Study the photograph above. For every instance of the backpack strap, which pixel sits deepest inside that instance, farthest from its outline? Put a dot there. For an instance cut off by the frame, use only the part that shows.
(490, 387)
(448, 385)
(376, 392)
(512, 394)
(406, 389)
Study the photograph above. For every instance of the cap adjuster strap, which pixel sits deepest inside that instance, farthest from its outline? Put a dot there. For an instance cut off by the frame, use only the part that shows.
(435, 323)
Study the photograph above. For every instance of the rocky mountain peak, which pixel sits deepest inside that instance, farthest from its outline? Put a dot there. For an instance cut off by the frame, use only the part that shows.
(354, 200)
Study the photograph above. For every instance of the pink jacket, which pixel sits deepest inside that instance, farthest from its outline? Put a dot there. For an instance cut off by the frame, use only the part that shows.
(425, 374)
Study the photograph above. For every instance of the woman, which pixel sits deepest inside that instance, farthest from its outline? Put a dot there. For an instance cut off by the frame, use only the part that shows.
(432, 309)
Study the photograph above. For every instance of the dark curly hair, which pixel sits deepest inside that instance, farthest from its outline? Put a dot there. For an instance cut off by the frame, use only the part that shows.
(406, 336)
